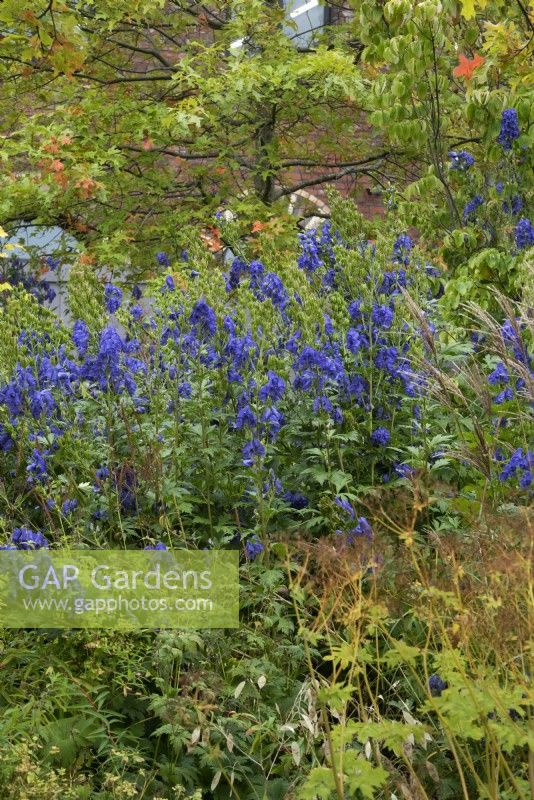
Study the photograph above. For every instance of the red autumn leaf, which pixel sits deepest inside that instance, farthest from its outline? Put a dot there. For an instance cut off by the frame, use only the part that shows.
(57, 165)
(86, 258)
(466, 66)
(212, 240)
(86, 187)
(148, 144)
(61, 180)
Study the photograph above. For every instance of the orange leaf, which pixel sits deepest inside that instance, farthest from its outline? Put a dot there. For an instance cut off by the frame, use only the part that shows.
(86, 187)
(466, 66)
(258, 226)
(212, 240)
(86, 258)
(61, 180)
(57, 166)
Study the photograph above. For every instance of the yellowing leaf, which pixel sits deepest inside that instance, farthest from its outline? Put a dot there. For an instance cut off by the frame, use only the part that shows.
(468, 7)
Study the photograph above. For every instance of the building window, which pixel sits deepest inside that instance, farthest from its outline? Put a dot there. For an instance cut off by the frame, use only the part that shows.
(305, 21)
(42, 264)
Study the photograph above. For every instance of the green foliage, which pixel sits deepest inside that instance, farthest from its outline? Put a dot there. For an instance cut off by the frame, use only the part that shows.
(136, 138)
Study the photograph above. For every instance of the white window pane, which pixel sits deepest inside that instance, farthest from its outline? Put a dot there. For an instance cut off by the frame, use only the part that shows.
(309, 18)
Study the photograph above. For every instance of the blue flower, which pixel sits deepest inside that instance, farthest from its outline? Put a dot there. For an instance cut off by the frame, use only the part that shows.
(514, 206)
(11, 396)
(169, 283)
(52, 263)
(461, 160)
(157, 546)
(296, 500)
(102, 473)
(253, 548)
(41, 402)
(526, 479)
(253, 451)
(273, 389)
(403, 242)
(404, 470)
(499, 375)
(357, 387)
(472, 205)
(273, 288)
(380, 437)
(6, 442)
(387, 359)
(504, 396)
(401, 248)
(437, 685)
(203, 318)
(137, 312)
(393, 281)
(523, 462)
(309, 260)
(245, 418)
(509, 128)
(237, 268)
(345, 506)
(69, 506)
(355, 310)
(37, 467)
(256, 270)
(80, 336)
(524, 234)
(328, 325)
(383, 316)
(112, 297)
(110, 344)
(355, 340)
(323, 403)
(26, 539)
(163, 259)
(185, 389)
(362, 529)
(274, 420)
(337, 415)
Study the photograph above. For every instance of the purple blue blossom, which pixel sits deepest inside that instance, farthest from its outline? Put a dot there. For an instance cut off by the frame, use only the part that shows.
(112, 297)
(380, 437)
(461, 160)
(509, 128)
(253, 548)
(472, 205)
(26, 539)
(524, 234)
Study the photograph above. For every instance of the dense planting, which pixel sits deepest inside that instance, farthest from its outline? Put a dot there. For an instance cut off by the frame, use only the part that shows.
(319, 412)
(349, 406)
(220, 408)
